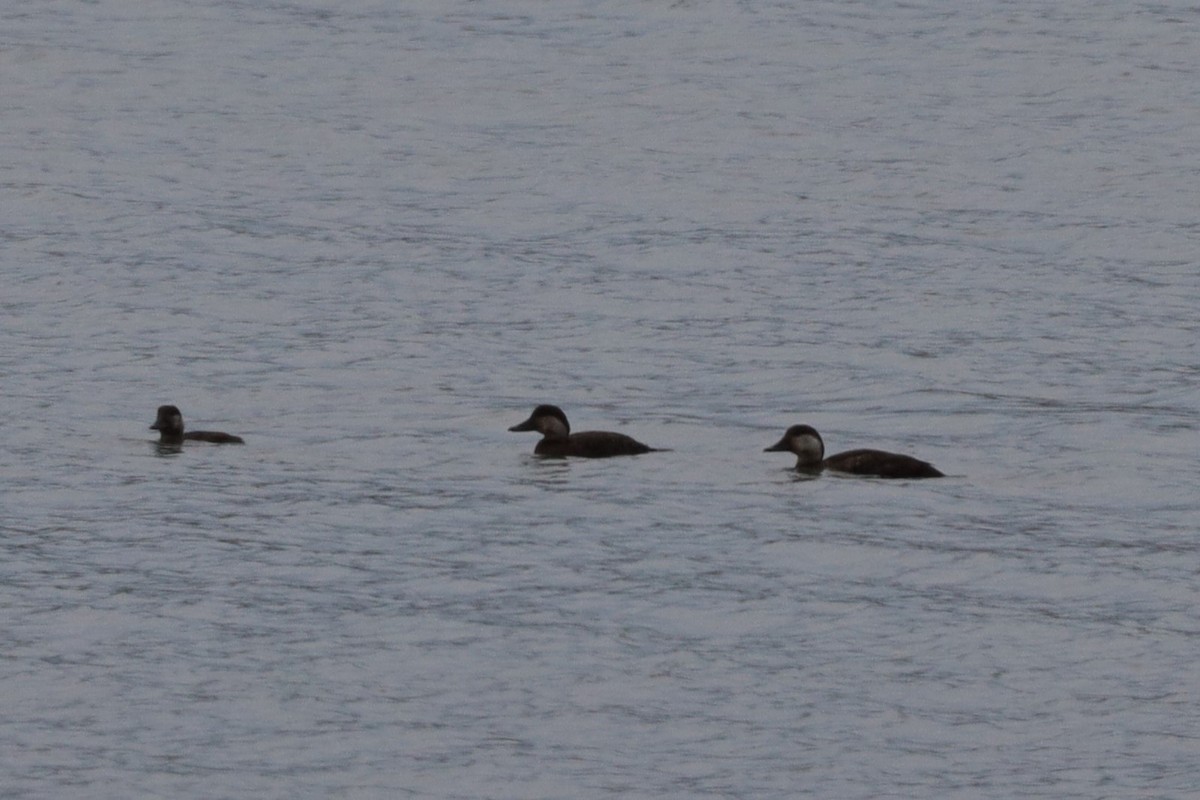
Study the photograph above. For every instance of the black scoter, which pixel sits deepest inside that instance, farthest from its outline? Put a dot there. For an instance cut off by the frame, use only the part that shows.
(806, 443)
(169, 424)
(558, 441)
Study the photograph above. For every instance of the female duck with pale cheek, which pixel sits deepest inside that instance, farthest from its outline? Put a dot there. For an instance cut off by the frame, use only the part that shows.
(806, 443)
(558, 441)
(169, 424)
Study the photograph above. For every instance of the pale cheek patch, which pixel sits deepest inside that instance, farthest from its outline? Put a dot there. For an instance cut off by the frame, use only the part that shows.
(808, 448)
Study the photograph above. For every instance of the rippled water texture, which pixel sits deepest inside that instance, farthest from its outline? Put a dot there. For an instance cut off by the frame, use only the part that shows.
(369, 237)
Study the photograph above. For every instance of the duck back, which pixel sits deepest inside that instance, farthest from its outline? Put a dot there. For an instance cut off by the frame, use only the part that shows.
(591, 444)
(881, 464)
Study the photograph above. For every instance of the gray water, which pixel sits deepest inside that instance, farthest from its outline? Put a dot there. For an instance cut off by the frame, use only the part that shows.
(371, 236)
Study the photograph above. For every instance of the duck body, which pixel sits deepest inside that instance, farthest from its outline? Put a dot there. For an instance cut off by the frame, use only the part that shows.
(809, 448)
(590, 444)
(169, 424)
(881, 464)
(558, 441)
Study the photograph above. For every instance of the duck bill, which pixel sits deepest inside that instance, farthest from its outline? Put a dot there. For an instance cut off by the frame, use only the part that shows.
(527, 425)
(156, 427)
(779, 447)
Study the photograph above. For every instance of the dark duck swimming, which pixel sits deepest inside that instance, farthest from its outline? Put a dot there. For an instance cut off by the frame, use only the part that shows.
(558, 441)
(169, 424)
(806, 443)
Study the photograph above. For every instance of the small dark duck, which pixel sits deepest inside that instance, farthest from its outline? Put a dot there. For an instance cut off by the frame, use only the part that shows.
(169, 424)
(805, 442)
(558, 441)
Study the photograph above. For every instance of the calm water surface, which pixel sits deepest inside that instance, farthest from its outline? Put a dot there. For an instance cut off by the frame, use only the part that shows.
(369, 237)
